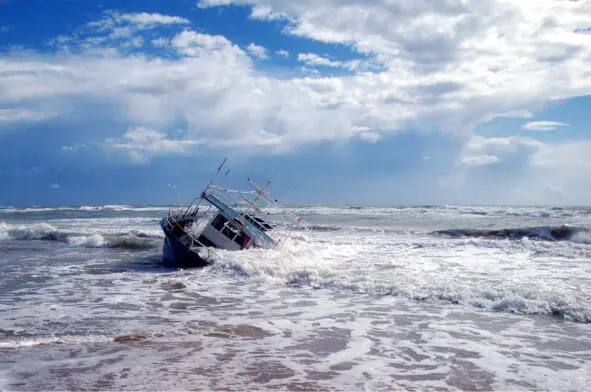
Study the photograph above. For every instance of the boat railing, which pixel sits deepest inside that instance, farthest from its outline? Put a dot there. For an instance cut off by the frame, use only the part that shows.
(258, 206)
(188, 239)
(233, 211)
(190, 211)
(239, 201)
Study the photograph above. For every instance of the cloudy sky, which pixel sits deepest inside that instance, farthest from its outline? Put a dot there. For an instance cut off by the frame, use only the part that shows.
(350, 101)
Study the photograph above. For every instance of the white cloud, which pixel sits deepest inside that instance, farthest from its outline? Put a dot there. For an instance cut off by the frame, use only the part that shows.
(115, 29)
(193, 44)
(147, 19)
(443, 66)
(257, 51)
(481, 151)
(566, 157)
(314, 60)
(423, 30)
(54, 185)
(310, 71)
(543, 125)
(500, 56)
(20, 115)
(372, 137)
(559, 174)
(515, 114)
(479, 160)
(521, 171)
(213, 3)
(143, 143)
(282, 53)
(311, 59)
(74, 148)
(139, 21)
(160, 42)
(263, 12)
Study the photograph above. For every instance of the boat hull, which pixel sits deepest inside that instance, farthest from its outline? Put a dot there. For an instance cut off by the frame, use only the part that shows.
(175, 254)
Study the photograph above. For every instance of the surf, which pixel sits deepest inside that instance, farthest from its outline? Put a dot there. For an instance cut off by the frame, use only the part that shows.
(132, 239)
(545, 233)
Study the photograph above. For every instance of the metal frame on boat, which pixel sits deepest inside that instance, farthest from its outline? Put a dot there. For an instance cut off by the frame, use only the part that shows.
(226, 219)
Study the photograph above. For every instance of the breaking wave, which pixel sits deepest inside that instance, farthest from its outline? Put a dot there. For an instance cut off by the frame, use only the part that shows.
(319, 228)
(133, 239)
(20, 340)
(546, 233)
(116, 207)
(109, 207)
(493, 301)
(346, 268)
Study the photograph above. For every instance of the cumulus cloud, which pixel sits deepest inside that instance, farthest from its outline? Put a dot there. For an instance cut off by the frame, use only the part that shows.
(257, 51)
(282, 53)
(314, 60)
(74, 148)
(480, 151)
(146, 19)
(368, 136)
(514, 114)
(143, 143)
(538, 56)
(422, 30)
(564, 157)
(140, 21)
(264, 12)
(479, 160)
(19, 115)
(559, 174)
(443, 66)
(543, 125)
(160, 42)
(115, 28)
(54, 185)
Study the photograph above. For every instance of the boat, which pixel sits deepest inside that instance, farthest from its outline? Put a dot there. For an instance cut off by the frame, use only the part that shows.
(224, 219)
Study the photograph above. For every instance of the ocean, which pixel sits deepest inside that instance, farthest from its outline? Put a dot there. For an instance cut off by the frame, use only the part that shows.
(443, 298)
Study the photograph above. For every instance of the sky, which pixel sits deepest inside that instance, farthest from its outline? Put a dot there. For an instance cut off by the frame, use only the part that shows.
(351, 101)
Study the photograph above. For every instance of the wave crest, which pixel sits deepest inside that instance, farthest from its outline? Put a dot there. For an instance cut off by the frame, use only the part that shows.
(547, 233)
(133, 239)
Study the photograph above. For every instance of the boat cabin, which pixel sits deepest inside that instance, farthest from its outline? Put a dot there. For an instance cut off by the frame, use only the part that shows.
(224, 233)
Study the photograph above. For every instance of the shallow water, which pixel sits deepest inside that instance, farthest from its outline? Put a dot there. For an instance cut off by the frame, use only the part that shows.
(416, 298)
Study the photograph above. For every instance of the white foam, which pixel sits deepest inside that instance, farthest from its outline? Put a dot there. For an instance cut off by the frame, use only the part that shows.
(55, 339)
(4, 231)
(376, 303)
(6, 379)
(87, 208)
(464, 272)
(117, 207)
(89, 235)
(95, 241)
(583, 237)
(31, 232)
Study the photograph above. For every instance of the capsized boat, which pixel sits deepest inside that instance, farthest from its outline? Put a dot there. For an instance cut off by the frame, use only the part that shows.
(226, 219)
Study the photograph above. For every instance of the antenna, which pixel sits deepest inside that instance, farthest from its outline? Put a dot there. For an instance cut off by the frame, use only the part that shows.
(221, 165)
(261, 192)
(215, 176)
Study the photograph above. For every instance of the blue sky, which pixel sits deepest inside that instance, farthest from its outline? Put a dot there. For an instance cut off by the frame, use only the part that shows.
(381, 102)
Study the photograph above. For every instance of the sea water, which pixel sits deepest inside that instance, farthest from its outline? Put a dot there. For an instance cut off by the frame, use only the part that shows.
(370, 298)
